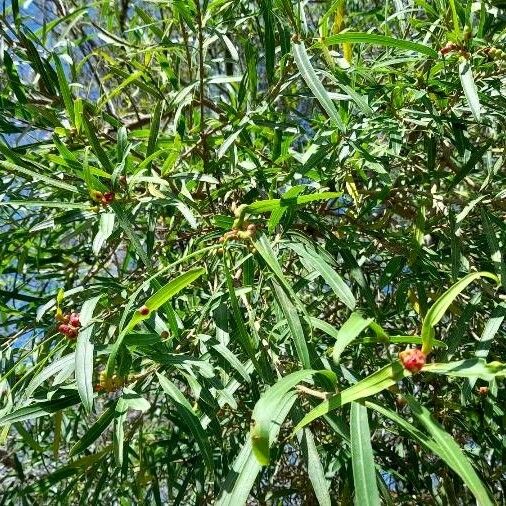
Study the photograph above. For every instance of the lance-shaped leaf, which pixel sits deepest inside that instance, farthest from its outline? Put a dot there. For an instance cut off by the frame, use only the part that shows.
(152, 304)
(94, 432)
(189, 418)
(313, 82)
(239, 481)
(40, 409)
(380, 40)
(373, 384)
(315, 469)
(48, 371)
(351, 328)
(294, 324)
(105, 228)
(266, 407)
(469, 87)
(84, 367)
(331, 277)
(438, 309)
(440, 443)
(264, 206)
(362, 459)
(451, 452)
(470, 368)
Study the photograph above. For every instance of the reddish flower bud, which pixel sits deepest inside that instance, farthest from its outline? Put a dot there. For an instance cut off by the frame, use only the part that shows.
(64, 328)
(483, 391)
(412, 360)
(108, 197)
(72, 333)
(144, 310)
(450, 46)
(68, 330)
(74, 320)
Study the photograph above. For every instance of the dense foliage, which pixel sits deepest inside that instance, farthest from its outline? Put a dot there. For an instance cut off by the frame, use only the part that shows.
(221, 222)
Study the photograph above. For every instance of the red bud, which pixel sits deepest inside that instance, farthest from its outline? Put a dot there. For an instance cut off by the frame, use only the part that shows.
(413, 360)
(108, 197)
(74, 320)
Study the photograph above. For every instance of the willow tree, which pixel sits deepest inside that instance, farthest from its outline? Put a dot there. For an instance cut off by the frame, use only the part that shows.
(252, 252)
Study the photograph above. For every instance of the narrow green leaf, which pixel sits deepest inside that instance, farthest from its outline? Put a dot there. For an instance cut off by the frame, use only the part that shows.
(309, 75)
(264, 412)
(373, 384)
(155, 128)
(239, 481)
(118, 89)
(24, 168)
(189, 418)
(315, 469)
(87, 309)
(397, 340)
(246, 342)
(295, 325)
(380, 40)
(89, 129)
(27, 438)
(351, 329)
(153, 303)
(452, 452)
(64, 89)
(269, 41)
(438, 309)
(495, 250)
(263, 206)
(39, 409)
(339, 287)
(173, 287)
(94, 432)
(470, 368)
(84, 367)
(232, 359)
(105, 229)
(362, 460)
(119, 431)
(49, 371)
(125, 221)
(469, 87)
(491, 328)
(45, 203)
